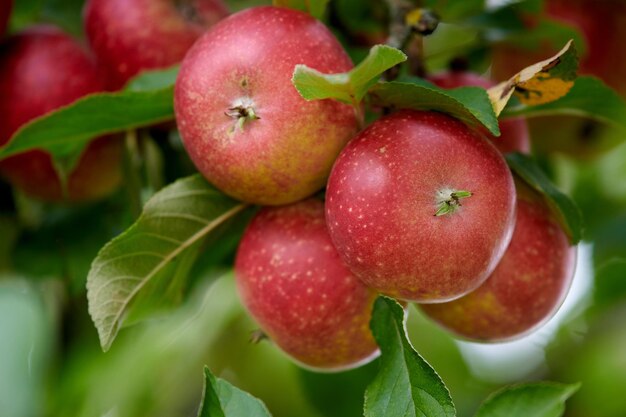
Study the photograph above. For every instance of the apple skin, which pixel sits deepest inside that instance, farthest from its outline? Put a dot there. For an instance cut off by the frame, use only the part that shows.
(514, 136)
(293, 282)
(526, 288)
(5, 14)
(381, 202)
(248, 59)
(42, 69)
(130, 36)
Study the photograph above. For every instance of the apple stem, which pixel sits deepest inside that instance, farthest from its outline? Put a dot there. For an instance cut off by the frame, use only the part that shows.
(409, 23)
(448, 201)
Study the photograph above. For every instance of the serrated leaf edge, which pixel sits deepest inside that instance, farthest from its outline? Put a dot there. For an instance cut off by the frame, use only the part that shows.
(106, 338)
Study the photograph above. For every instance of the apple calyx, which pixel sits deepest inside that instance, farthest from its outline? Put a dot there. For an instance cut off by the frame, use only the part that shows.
(242, 111)
(448, 201)
(257, 336)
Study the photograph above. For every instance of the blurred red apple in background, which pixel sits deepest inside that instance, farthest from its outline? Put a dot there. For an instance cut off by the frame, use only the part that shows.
(420, 207)
(293, 282)
(130, 36)
(514, 135)
(526, 288)
(42, 69)
(603, 26)
(243, 123)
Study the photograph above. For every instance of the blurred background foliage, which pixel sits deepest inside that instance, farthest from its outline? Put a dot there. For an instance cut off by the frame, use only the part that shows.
(51, 363)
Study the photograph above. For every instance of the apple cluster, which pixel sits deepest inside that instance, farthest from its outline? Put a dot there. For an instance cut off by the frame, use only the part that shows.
(418, 205)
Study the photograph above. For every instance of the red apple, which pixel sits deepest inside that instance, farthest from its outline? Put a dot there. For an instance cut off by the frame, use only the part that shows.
(5, 14)
(42, 69)
(420, 207)
(243, 123)
(526, 288)
(293, 282)
(514, 132)
(130, 36)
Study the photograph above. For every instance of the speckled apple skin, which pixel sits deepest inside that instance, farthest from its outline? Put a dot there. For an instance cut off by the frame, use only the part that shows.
(5, 13)
(293, 282)
(285, 155)
(527, 287)
(381, 205)
(42, 69)
(130, 36)
(514, 136)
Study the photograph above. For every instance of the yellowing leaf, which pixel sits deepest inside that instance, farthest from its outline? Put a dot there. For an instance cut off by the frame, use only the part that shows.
(540, 83)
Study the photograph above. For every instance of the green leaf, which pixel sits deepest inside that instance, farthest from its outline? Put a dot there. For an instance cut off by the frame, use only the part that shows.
(146, 268)
(539, 399)
(406, 385)
(314, 7)
(470, 104)
(589, 97)
(349, 87)
(565, 209)
(221, 399)
(66, 131)
(154, 80)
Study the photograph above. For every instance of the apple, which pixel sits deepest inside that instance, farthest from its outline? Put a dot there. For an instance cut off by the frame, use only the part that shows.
(514, 135)
(420, 207)
(295, 285)
(243, 123)
(42, 69)
(5, 14)
(130, 36)
(526, 288)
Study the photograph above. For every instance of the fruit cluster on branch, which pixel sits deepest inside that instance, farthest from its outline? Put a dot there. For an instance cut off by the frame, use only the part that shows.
(418, 206)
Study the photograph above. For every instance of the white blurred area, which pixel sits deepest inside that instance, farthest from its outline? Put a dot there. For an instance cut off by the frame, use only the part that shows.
(494, 4)
(512, 361)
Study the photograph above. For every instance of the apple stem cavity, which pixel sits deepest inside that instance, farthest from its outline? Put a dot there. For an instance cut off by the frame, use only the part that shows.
(242, 111)
(448, 201)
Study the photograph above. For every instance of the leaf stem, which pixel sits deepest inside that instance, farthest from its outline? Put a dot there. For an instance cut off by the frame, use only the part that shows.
(131, 171)
(358, 112)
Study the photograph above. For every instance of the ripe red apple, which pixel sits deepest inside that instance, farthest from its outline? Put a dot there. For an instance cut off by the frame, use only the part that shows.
(526, 288)
(420, 207)
(514, 135)
(243, 123)
(293, 282)
(42, 69)
(5, 13)
(130, 36)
